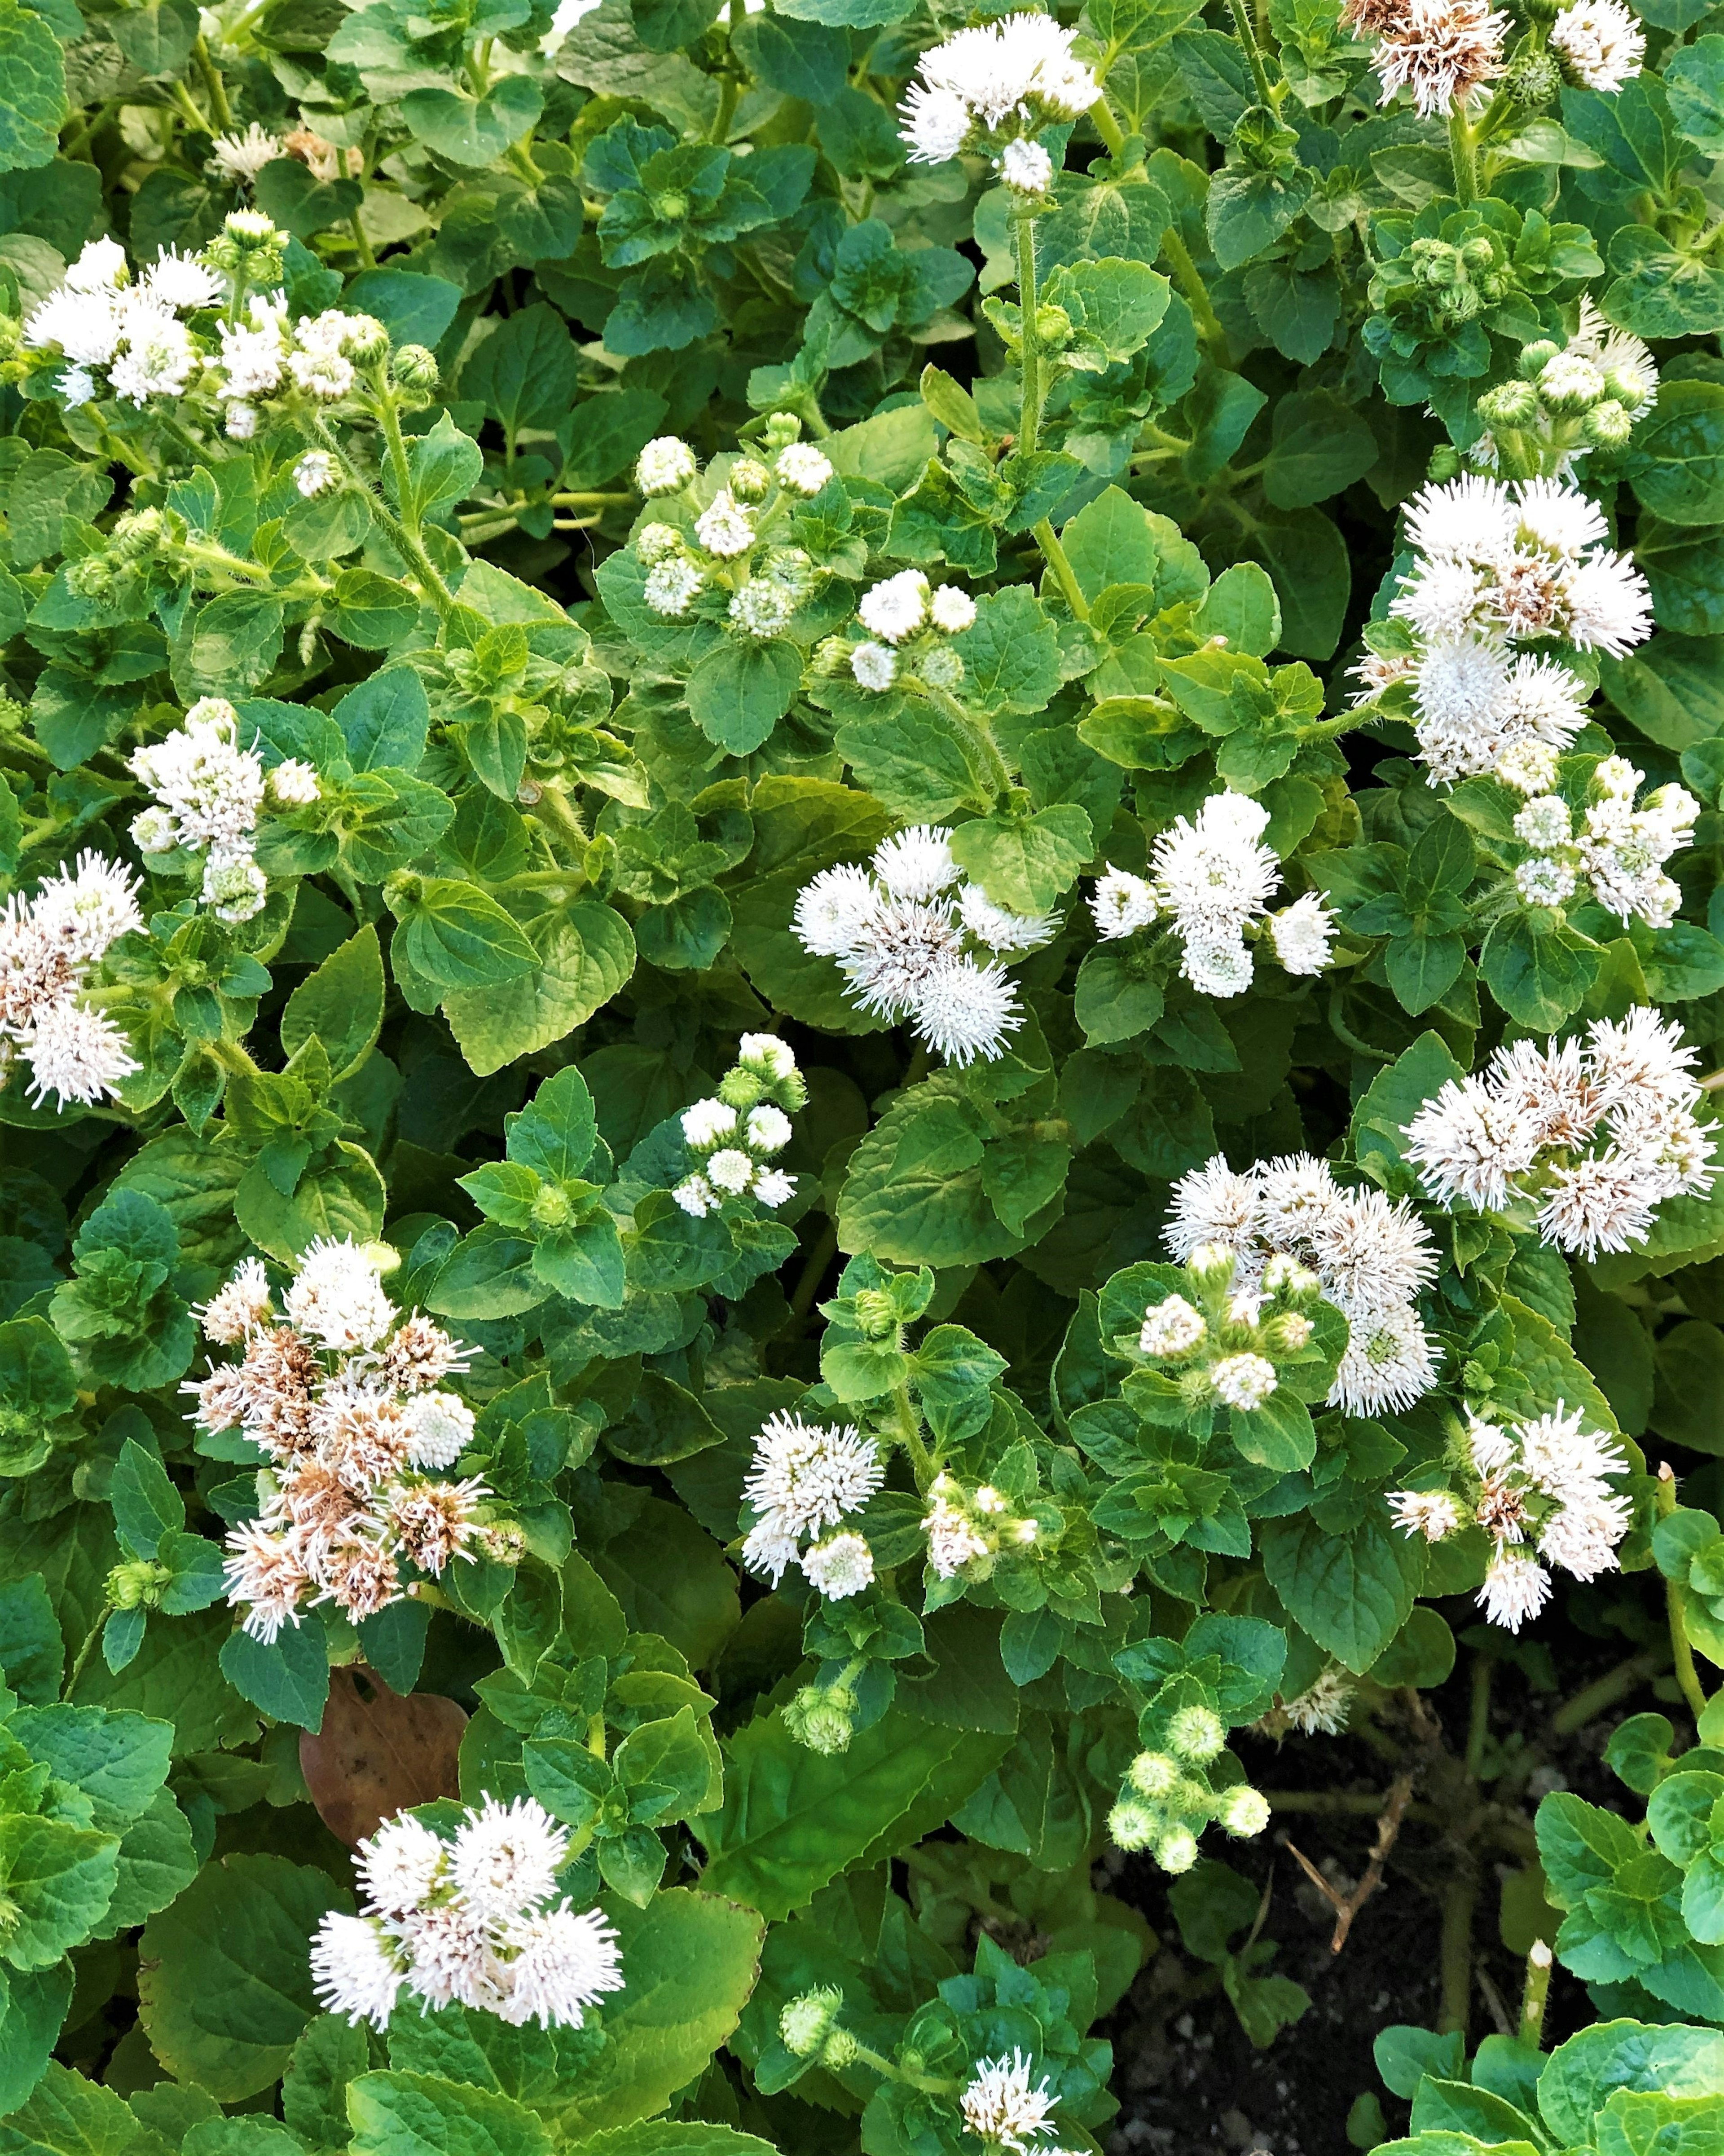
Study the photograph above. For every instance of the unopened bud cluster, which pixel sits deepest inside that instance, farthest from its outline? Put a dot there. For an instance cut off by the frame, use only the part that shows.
(1222, 1342)
(1167, 1799)
(908, 623)
(1567, 400)
(733, 1135)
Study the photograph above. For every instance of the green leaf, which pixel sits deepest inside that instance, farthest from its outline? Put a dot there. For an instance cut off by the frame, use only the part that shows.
(690, 1960)
(1351, 1591)
(69, 2116)
(119, 1760)
(33, 2005)
(1026, 864)
(397, 2114)
(225, 1985)
(1318, 444)
(146, 1503)
(470, 130)
(340, 1004)
(32, 102)
(525, 373)
(739, 692)
(59, 1880)
(1677, 464)
(456, 936)
(1694, 83)
(442, 466)
(582, 954)
(289, 1678)
(1010, 652)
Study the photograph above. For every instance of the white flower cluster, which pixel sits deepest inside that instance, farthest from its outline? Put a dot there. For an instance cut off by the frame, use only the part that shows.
(1619, 849)
(1596, 1135)
(266, 357)
(341, 1395)
(1371, 1257)
(1005, 2110)
(1000, 82)
(47, 945)
(1541, 1485)
(907, 622)
(900, 936)
(804, 1480)
(961, 1527)
(1212, 876)
(1497, 567)
(208, 791)
(473, 1920)
(1600, 45)
(763, 595)
(740, 1128)
(104, 326)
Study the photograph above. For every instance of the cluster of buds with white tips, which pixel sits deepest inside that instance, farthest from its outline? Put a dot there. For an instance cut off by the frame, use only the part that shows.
(1596, 1135)
(992, 89)
(1167, 1798)
(1567, 400)
(1498, 568)
(1371, 1256)
(736, 1132)
(907, 622)
(1540, 1489)
(265, 359)
(969, 1530)
(1210, 880)
(342, 1395)
(730, 561)
(906, 936)
(48, 946)
(208, 792)
(471, 1921)
(1221, 1341)
(1618, 855)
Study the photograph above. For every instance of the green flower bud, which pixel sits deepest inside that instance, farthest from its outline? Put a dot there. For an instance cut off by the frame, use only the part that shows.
(1132, 1825)
(1627, 386)
(414, 367)
(1509, 404)
(742, 1089)
(1053, 328)
(1534, 82)
(551, 1207)
(1538, 356)
(1153, 1774)
(1176, 1850)
(1211, 1265)
(1197, 1734)
(670, 207)
(1570, 384)
(807, 2021)
(92, 578)
(822, 1719)
(1243, 1811)
(780, 430)
(504, 1542)
(1607, 426)
(1435, 264)
(750, 480)
(137, 1585)
(1478, 253)
(876, 1314)
(366, 341)
(839, 2050)
(1443, 463)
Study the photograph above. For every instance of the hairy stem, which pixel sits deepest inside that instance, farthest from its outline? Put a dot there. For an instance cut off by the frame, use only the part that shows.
(1676, 1607)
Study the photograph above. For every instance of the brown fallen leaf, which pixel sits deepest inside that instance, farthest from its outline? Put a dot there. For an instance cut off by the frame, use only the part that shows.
(378, 1753)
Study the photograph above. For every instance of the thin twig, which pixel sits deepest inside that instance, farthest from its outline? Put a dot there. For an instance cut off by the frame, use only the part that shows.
(1493, 1999)
(1347, 1907)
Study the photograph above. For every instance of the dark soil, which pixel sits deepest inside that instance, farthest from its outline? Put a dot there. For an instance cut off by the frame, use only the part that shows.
(1187, 2078)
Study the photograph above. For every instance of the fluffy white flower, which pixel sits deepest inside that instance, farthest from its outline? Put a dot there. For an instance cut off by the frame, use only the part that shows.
(212, 786)
(1552, 514)
(917, 863)
(1609, 603)
(239, 1307)
(87, 908)
(1302, 933)
(1600, 45)
(101, 267)
(835, 912)
(997, 927)
(954, 1539)
(803, 468)
(1468, 519)
(725, 527)
(671, 586)
(964, 1010)
(952, 610)
(664, 466)
(76, 1054)
(85, 325)
(1517, 1587)
(767, 1130)
(1432, 1513)
(1021, 65)
(159, 358)
(1221, 968)
(182, 283)
(262, 1573)
(840, 1567)
(1244, 1381)
(1212, 871)
(772, 1188)
(1374, 1253)
(1601, 1204)
(730, 1170)
(1171, 1326)
(706, 1123)
(1442, 50)
(807, 1476)
(1323, 1710)
(897, 609)
(1212, 1204)
(399, 1865)
(1468, 1143)
(439, 1428)
(558, 1964)
(1003, 2108)
(874, 665)
(337, 1298)
(356, 1970)
(506, 1857)
(240, 158)
(905, 946)
(1388, 1363)
(936, 123)
(1122, 903)
(1528, 766)
(294, 784)
(696, 1197)
(1026, 167)
(315, 473)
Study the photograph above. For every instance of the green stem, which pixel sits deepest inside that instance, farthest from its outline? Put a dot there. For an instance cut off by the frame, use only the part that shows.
(214, 87)
(367, 259)
(1462, 155)
(813, 1271)
(1687, 1676)
(1537, 1991)
(1604, 1692)
(406, 541)
(1460, 1900)
(975, 731)
(1195, 292)
(1054, 554)
(1030, 344)
(1101, 119)
(182, 100)
(84, 1654)
(910, 1429)
(1253, 53)
(1478, 1731)
(931, 2084)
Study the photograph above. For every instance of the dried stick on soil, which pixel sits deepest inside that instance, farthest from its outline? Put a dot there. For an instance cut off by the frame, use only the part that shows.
(1347, 1907)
